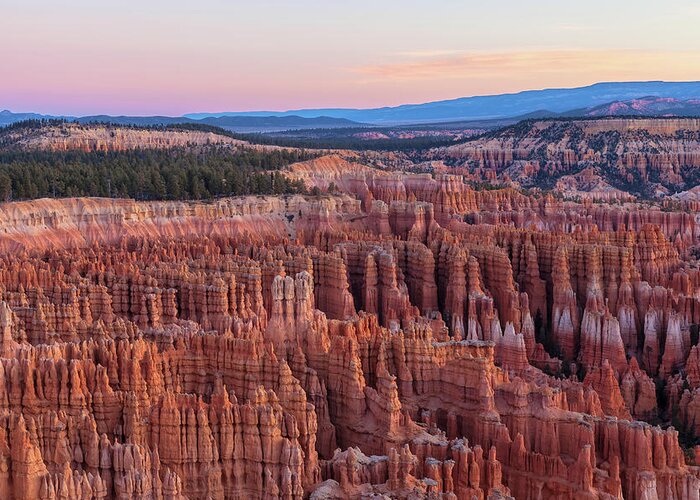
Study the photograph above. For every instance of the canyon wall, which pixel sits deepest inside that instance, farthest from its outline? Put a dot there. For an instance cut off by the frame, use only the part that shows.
(412, 337)
(71, 136)
(604, 159)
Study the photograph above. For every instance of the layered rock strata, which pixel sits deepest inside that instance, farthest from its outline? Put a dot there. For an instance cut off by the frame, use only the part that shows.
(337, 347)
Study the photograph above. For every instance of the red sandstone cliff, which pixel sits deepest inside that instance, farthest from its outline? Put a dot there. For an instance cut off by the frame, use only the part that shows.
(442, 342)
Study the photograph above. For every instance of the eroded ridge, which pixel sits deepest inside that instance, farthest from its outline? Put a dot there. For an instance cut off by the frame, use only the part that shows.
(411, 338)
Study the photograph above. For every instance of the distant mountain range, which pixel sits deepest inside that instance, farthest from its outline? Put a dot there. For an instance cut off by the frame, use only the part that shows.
(645, 106)
(497, 106)
(242, 124)
(7, 117)
(601, 99)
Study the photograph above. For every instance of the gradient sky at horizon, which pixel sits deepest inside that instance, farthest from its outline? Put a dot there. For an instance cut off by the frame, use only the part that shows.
(172, 57)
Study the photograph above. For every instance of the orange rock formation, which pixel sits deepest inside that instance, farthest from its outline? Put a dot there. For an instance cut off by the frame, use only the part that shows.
(416, 340)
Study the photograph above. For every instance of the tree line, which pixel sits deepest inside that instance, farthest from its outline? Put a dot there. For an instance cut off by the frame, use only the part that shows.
(336, 139)
(174, 174)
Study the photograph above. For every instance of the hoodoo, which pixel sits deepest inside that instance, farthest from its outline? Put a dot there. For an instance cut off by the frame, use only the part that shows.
(191, 350)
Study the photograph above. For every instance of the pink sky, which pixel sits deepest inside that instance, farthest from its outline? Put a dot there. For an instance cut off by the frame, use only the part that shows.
(157, 57)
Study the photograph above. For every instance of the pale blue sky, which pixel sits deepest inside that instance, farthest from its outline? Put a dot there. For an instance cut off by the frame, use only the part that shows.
(179, 56)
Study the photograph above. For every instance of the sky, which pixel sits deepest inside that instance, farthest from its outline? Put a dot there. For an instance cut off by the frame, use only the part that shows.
(81, 57)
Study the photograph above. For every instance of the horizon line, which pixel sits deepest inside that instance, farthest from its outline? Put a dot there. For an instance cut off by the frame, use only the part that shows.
(343, 108)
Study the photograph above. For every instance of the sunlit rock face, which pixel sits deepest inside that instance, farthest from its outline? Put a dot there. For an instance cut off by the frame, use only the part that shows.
(605, 159)
(69, 136)
(408, 337)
